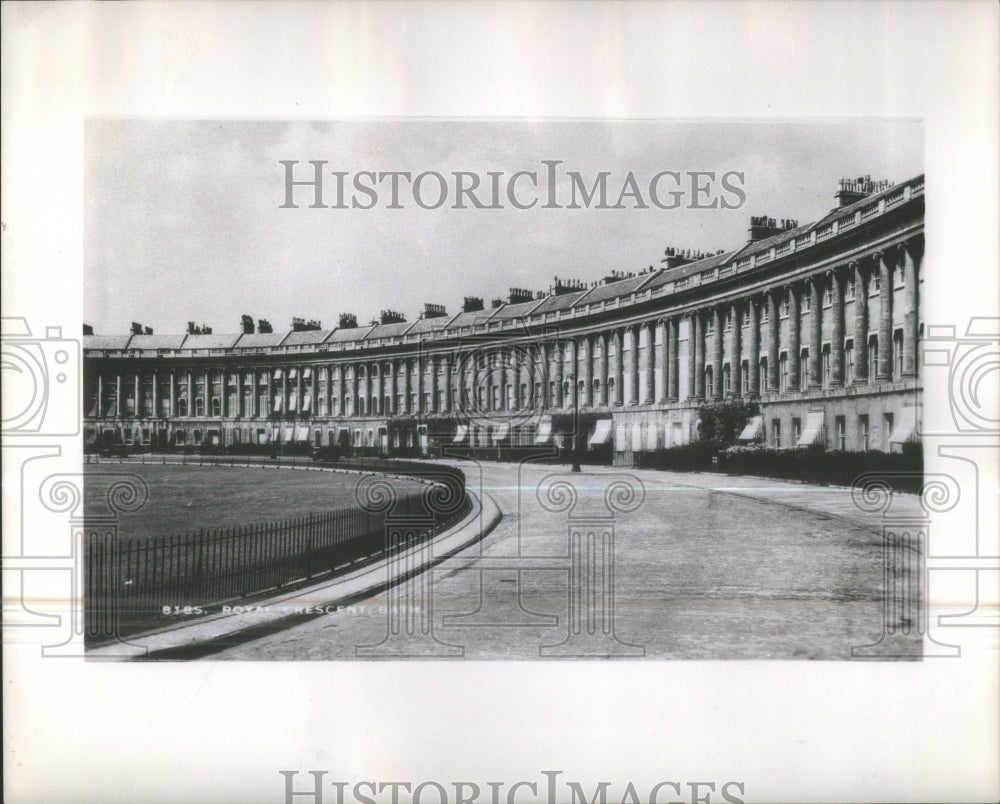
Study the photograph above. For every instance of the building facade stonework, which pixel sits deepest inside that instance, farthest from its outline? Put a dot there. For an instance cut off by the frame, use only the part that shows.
(817, 323)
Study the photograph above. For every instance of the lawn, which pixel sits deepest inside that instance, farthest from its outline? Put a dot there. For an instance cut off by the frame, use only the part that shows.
(184, 499)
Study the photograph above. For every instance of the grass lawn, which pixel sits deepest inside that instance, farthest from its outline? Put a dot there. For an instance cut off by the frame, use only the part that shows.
(184, 499)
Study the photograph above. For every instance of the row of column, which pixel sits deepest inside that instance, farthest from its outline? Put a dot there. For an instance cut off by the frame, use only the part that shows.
(533, 374)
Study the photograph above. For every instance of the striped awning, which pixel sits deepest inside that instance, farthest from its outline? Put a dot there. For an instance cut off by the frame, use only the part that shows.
(301, 433)
(500, 433)
(278, 402)
(905, 431)
(277, 374)
(307, 402)
(293, 402)
(306, 373)
(544, 434)
(602, 433)
(460, 434)
(754, 431)
(293, 373)
(286, 434)
(812, 433)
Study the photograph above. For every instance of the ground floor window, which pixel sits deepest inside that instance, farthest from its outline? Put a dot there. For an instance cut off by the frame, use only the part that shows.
(197, 437)
(840, 431)
(796, 431)
(776, 433)
(863, 432)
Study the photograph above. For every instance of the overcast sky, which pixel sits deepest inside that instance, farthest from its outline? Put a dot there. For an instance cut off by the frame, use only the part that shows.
(183, 219)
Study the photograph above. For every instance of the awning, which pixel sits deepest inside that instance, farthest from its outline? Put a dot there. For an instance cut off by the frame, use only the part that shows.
(905, 431)
(500, 433)
(301, 433)
(460, 434)
(813, 431)
(754, 431)
(278, 402)
(293, 401)
(277, 374)
(262, 436)
(544, 434)
(286, 434)
(306, 373)
(307, 402)
(293, 373)
(602, 433)
(90, 437)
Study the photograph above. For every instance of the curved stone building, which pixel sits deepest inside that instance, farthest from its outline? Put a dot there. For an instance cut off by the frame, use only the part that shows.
(819, 323)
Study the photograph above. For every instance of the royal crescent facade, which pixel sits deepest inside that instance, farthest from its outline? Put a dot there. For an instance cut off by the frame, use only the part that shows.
(817, 323)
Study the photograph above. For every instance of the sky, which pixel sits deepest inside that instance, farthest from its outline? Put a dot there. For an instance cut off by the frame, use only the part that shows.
(183, 219)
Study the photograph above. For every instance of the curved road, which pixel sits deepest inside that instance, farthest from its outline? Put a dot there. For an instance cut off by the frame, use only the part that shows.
(775, 571)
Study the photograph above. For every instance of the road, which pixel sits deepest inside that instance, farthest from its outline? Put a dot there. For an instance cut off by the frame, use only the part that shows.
(705, 567)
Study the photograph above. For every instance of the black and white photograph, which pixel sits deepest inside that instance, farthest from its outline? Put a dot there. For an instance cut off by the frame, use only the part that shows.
(500, 403)
(552, 392)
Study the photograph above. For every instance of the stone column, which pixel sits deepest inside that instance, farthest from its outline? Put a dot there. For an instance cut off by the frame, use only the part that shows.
(674, 376)
(717, 353)
(574, 362)
(692, 355)
(885, 263)
(602, 370)
(816, 338)
(753, 349)
(699, 362)
(588, 371)
(354, 389)
(619, 367)
(860, 323)
(650, 372)
(773, 342)
(448, 384)
(156, 413)
(736, 350)
(911, 255)
(633, 366)
(342, 389)
(435, 371)
(664, 326)
(173, 394)
(794, 339)
(558, 356)
(836, 329)
(407, 385)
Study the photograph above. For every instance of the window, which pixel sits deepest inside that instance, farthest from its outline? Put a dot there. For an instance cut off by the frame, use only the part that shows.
(897, 353)
(776, 433)
(179, 437)
(197, 436)
(727, 380)
(763, 375)
(852, 287)
(863, 432)
(710, 325)
(876, 282)
(182, 407)
(796, 431)
(216, 406)
(729, 319)
(827, 296)
(872, 357)
(840, 431)
(807, 302)
(234, 406)
(826, 365)
(199, 407)
(262, 407)
(804, 368)
(784, 370)
(848, 362)
(783, 307)
(887, 426)
(745, 375)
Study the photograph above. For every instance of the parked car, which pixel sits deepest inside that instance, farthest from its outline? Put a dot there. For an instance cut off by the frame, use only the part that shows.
(329, 453)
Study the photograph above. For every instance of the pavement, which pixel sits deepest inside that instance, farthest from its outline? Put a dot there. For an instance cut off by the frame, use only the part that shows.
(621, 563)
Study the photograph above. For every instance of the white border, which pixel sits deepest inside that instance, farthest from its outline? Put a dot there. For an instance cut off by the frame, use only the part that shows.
(206, 731)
